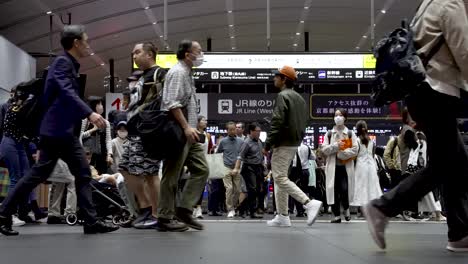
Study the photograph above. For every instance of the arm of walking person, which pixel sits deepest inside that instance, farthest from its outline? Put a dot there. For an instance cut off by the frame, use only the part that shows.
(277, 122)
(240, 158)
(109, 149)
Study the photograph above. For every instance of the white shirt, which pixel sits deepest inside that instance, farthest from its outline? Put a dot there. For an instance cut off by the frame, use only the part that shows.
(303, 151)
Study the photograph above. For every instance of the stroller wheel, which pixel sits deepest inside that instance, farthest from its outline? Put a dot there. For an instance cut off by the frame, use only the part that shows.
(71, 219)
(116, 219)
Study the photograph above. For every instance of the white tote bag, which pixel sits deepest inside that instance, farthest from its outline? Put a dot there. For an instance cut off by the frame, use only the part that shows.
(216, 166)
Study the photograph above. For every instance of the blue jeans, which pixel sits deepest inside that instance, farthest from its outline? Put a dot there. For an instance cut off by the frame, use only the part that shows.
(16, 159)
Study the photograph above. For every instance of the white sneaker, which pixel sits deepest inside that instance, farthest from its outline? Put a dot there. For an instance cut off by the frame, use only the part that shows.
(280, 221)
(312, 210)
(231, 214)
(198, 213)
(17, 222)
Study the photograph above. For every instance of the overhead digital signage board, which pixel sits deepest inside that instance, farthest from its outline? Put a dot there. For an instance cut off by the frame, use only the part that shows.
(324, 67)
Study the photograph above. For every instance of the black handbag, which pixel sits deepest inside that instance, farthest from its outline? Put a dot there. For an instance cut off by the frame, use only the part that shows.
(161, 134)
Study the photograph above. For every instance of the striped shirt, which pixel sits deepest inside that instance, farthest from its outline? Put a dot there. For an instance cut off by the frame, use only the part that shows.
(179, 91)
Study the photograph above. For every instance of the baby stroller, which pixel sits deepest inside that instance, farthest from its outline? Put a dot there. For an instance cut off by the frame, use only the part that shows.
(108, 203)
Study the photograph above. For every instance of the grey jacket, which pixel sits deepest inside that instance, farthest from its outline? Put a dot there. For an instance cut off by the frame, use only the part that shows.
(448, 70)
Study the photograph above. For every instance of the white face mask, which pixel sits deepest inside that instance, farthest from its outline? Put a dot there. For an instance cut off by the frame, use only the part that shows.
(122, 134)
(99, 109)
(339, 120)
(198, 60)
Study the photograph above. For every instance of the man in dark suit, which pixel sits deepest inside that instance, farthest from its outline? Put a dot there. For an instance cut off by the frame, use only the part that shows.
(59, 133)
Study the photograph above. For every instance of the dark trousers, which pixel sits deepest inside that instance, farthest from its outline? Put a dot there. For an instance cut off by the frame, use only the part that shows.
(447, 163)
(253, 177)
(341, 190)
(395, 177)
(216, 193)
(51, 149)
(301, 178)
(262, 194)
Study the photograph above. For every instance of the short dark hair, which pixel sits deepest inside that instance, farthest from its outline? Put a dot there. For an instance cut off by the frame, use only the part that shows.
(93, 101)
(253, 126)
(69, 34)
(343, 112)
(184, 47)
(230, 123)
(288, 82)
(200, 117)
(149, 47)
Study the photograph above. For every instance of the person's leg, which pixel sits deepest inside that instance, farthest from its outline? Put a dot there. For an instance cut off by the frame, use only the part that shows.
(228, 185)
(55, 198)
(248, 173)
(136, 184)
(73, 155)
(154, 184)
(336, 207)
(10, 156)
(198, 168)
(345, 193)
(39, 173)
(70, 207)
(281, 159)
(172, 169)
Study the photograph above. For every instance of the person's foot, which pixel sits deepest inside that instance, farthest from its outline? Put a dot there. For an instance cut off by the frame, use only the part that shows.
(5, 226)
(214, 214)
(166, 225)
(312, 210)
(231, 214)
(99, 227)
(336, 220)
(17, 222)
(255, 216)
(260, 211)
(27, 219)
(148, 223)
(198, 213)
(40, 215)
(458, 246)
(55, 220)
(377, 222)
(347, 215)
(145, 214)
(280, 221)
(300, 215)
(185, 216)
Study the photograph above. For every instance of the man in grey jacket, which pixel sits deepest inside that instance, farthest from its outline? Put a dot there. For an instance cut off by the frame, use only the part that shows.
(433, 107)
(287, 131)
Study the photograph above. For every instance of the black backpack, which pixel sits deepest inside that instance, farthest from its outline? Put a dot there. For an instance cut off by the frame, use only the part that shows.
(399, 69)
(31, 111)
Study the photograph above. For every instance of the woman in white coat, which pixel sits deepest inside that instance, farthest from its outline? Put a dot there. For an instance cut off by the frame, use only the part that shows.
(366, 185)
(339, 170)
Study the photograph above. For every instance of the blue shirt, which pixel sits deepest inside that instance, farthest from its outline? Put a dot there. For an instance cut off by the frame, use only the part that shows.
(64, 108)
(230, 147)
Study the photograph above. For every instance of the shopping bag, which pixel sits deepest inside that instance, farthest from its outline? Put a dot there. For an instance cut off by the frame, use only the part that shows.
(216, 166)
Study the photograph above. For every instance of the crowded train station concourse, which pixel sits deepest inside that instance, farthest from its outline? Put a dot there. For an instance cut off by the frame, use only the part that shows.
(233, 131)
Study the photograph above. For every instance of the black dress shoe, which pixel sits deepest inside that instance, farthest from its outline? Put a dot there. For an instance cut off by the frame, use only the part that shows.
(255, 216)
(300, 215)
(185, 216)
(347, 218)
(5, 226)
(336, 221)
(55, 220)
(99, 227)
(166, 225)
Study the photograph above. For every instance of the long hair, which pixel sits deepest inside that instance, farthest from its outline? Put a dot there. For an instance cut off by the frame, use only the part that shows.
(361, 127)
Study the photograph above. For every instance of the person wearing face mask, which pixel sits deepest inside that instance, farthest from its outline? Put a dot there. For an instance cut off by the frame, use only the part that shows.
(98, 140)
(180, 100)
(341, 147)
